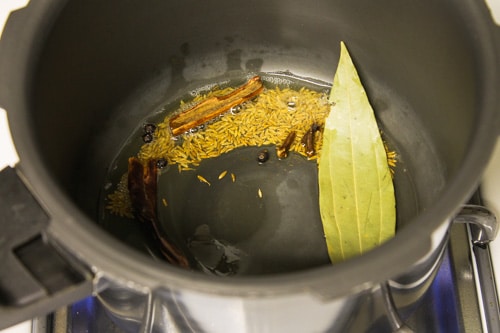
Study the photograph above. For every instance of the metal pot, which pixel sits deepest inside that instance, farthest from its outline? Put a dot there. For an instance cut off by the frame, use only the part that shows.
(77, 77)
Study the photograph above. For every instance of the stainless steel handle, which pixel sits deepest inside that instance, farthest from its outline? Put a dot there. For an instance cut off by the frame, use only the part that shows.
(397, 324)
(484, 225)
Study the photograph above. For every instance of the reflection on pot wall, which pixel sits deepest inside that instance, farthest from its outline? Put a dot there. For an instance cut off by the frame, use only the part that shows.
(375, 308)
(185, 311)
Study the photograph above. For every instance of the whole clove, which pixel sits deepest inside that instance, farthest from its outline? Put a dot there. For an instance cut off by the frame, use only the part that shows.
(308, 140)
(282, 151)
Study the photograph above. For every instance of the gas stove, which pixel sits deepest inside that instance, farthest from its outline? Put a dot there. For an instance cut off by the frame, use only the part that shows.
(462, 298)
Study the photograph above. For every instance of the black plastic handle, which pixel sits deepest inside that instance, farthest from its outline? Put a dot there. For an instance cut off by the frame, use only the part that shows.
(36, 277)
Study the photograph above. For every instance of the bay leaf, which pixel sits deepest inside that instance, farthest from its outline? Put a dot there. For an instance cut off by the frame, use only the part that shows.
(356, 193)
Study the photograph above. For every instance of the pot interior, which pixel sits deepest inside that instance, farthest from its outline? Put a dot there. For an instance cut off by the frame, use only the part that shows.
(104, 72)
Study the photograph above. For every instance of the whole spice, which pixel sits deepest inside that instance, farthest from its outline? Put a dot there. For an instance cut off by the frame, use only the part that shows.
(282, 151)
(203, 180)
(149, 128)
(249, 128)
(308, 140)
(142, 186)
(215, 106)
(263, 156)
(147, 137)
(161, 163)
(356, 193)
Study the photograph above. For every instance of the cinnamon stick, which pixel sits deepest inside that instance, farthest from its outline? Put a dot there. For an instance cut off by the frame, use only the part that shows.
(214, 106)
